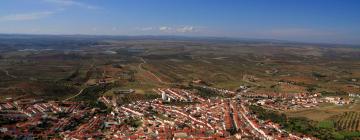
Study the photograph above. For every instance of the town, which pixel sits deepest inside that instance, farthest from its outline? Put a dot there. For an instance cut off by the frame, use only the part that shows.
(178, 114)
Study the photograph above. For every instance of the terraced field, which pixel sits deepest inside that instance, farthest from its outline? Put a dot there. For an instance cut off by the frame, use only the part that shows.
(349, 121)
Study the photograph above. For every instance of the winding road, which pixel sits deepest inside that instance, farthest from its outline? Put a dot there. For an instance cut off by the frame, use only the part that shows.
(79, 93)
(140, 66)
(8, 74)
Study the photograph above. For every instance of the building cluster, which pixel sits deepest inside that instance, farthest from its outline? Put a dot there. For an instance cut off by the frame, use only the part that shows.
(292, 101)
(247, 125)
(197, 118)
(338, 100)
(283, 101)
(31, 118)
(354, 95)
(181, 95)
(206, 119)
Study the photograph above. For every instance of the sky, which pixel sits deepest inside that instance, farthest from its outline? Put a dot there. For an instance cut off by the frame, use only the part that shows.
(323, 21)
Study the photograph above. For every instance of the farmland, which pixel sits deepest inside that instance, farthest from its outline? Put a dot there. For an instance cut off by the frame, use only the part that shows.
(223, 64)
(348, 121)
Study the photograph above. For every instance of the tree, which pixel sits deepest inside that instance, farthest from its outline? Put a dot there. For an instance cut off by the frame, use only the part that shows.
(311, 89)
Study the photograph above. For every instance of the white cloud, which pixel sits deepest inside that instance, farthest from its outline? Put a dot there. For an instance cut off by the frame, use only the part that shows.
(26, 16)
(169, 29)
(181, 29)
(185, 29)
(63, 2)
(72, 3)
(144, 29)
(165, 29)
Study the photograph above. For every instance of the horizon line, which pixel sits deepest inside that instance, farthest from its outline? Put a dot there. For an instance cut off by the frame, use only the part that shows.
(188, 36)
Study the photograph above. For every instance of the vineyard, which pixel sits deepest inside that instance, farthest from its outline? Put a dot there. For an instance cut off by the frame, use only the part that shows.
(349, 121)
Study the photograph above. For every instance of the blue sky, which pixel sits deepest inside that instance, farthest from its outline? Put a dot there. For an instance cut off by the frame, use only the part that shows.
(330, 21)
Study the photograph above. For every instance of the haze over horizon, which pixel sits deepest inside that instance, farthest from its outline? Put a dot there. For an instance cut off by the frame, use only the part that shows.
(325, 21)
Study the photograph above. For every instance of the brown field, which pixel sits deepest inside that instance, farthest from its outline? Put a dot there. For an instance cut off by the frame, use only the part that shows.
(324, 112)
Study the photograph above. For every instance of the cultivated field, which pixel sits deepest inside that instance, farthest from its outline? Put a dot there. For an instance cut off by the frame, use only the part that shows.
(349, 121)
